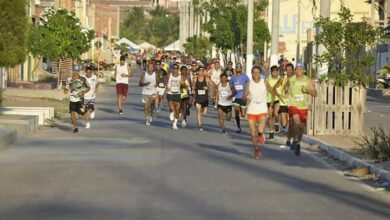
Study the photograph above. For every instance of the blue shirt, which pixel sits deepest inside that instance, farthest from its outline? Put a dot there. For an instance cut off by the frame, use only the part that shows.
(239, 83)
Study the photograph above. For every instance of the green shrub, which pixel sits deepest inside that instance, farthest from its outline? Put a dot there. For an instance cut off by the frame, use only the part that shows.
(377, 145)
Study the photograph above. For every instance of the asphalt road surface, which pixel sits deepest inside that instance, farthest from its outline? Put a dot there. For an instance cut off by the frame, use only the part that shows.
(122, 169)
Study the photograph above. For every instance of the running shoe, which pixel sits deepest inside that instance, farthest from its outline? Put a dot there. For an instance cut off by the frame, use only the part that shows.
(174, 126)
(293, 146)
(88, 125)
(75, 130)
(121, 112)
(215, 107)
(147, 122)
(239, 130)
(298, 149)
(288, 143)
(224, 132)
(261, 139)
(277, 130)
(183, 124)
(257, 154)
(271, 135)
(92, 116)
(151, 119)
(172, 116)
(200, 128)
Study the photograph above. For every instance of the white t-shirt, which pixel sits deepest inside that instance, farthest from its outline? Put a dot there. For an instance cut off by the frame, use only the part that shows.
(257, 98)
(151, 88)
(122, 70)
(223, 95)
(92, 82)
(215, 76)
(174, 84)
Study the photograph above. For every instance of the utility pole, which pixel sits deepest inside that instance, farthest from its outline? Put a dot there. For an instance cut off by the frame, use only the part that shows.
(324, 12)
(249, 43)
(373, 13)
(275, 32)
(299, 32)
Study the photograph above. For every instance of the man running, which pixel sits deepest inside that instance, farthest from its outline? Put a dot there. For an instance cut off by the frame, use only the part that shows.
(225, 94)
(215, 74)
(229, 71)
(77, 86)
(163, 79)
(90, 96)
(200, 88)
(122, 75)
(256, 95)
(186, 95)
(173, 95)
(273, 103)
(280, 90)
(148, 82)
(300, 87)
(239, 81)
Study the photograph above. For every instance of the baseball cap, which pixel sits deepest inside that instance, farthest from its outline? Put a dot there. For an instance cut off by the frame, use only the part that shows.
(300, 65)
(76, 68)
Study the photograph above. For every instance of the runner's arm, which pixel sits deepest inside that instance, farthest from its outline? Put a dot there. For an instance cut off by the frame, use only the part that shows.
(311, 89)
(142, 81)
(130, 73)
(275, 89)
(270, 90)
(246, 93)
(86, 86)
(234, 91)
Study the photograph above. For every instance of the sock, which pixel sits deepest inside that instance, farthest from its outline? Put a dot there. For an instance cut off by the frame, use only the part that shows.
(175, 121)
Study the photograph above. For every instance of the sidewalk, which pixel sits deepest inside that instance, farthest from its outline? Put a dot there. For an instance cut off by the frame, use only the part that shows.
(35, 93)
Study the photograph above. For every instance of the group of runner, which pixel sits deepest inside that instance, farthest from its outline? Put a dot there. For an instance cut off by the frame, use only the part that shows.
(280, 100)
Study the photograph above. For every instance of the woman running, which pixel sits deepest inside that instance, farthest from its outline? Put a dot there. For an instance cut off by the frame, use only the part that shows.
(225, 94)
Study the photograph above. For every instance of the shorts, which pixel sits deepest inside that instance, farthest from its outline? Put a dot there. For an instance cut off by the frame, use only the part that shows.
(275, 102)
(240, 103)
(148, 98)
(89, 104)
(204, 104)
(185, 100)
(283, 109)
(292, 110)
(256, 117)
(174, 97)
(160, 91)
(225, 109)
(76, 107)
(122, 89)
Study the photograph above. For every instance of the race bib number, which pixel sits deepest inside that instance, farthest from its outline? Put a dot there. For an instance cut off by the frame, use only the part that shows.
(257, 102)
(161, 85)
(224, 94)
(201, 92)
(299, 98)
(239, 87)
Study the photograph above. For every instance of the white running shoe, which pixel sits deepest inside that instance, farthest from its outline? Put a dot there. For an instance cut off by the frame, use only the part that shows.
(147, 123)
(174, 127)
(92, 116)
(172, 116)
(151, 119)
(88, 125)
(183, 124)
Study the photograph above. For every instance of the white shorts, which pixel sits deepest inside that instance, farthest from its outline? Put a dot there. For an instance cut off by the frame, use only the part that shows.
(160, 91)
(148, 98)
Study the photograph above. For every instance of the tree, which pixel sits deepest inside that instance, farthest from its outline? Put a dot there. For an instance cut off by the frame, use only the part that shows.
(198, 46)
(61, 36)
(347, 44)
(13, 32)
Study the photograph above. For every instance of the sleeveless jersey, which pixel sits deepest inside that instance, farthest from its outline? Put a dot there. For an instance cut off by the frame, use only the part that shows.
(296, 97)
(257, 97)
(223, 95)
(151, 88)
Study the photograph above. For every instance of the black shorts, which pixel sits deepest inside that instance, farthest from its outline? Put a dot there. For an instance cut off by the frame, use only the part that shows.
(174, 97)
(225, 109)
(204, 104)
(283, 109)
(76, 107)
(89, 104)
(185, 100)
(240, 103)
(275, 102)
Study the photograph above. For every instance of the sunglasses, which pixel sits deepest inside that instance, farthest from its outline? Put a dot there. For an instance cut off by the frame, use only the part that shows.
(175, 68)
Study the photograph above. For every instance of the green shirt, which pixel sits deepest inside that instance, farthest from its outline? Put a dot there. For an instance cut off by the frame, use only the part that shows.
(297, 98)
(272, 82)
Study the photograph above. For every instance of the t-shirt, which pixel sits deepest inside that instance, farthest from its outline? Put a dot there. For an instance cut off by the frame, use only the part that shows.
(75, 87)
(92, 83)
(239, 83)
(122, 70)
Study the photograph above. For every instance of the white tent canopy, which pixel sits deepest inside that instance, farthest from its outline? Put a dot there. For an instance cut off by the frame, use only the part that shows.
(175, 46)
(128, 42)
(146, 45)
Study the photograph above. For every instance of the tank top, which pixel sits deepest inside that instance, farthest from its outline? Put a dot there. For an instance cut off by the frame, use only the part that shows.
(223, 95)
(201, 94)
(257, 98)
(281, 91)
(151, 88)
(272, 82)
(174, 84)
(185, 91)
(297, 98)
(215, 76)
(119, 71)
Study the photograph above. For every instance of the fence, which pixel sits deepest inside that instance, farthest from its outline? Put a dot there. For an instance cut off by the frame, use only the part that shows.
(337, 110)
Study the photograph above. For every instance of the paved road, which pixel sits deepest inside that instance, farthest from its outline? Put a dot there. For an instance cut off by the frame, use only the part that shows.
(121, 169)
(378, 114)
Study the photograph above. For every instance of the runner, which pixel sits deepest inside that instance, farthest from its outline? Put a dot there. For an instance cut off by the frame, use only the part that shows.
(300, 87)
(273, 103)
(186, 95)
(225, 94)
(122, 75)
(229, 71)
(215, 74)
(239, 81)
(194, 71)
(90, 96)
(280, 90)
(77, 86)
(173, 95)
(163, 76)
(256, 94)
(200, 88)
(148, 82)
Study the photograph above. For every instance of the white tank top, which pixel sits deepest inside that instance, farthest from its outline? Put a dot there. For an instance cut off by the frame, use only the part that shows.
(151, 88)
(215, 76)
(257, 97)
(174, 84)
(223, 95)
(119, 71)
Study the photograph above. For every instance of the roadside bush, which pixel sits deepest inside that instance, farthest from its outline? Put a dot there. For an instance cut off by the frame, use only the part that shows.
(377, 145)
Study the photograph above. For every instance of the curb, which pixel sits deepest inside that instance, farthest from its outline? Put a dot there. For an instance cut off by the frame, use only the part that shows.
(350, 160)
